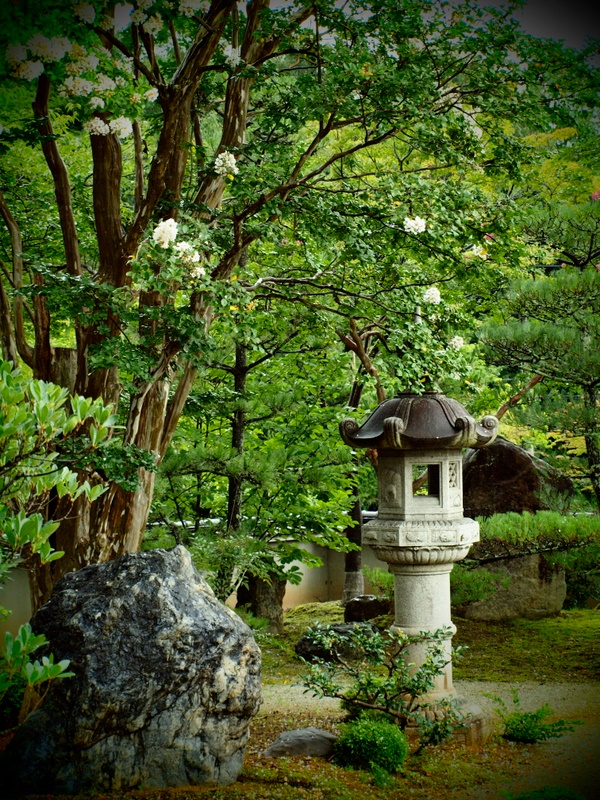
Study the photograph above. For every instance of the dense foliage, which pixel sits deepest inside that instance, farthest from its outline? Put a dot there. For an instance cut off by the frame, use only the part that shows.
(37, 419)
(196, 178)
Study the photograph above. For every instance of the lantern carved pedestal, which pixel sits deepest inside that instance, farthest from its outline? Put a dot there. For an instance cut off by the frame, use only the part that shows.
(420, 530)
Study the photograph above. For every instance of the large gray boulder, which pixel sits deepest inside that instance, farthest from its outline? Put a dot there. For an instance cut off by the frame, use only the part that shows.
(167, 681)
(535, 590)
(504, 477)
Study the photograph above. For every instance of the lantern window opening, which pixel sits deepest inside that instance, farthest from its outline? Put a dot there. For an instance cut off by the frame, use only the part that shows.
(426, 480)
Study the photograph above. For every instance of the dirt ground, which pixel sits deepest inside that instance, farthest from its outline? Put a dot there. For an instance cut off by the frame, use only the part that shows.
(572, 761)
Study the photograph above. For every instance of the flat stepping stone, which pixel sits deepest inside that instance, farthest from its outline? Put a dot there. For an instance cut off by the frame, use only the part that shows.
(302, 742)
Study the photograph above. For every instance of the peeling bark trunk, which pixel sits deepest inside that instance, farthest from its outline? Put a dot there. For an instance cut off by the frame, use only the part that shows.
(265, 599)
(592, 442)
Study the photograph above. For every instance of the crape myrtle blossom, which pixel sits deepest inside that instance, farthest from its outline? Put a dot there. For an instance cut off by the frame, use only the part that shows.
(479, 251)
(96, 102)
(456, 343)
(187, 253)
(79, 87)
(232, 56)
(84, 62)
(432, 295)
(105, 84)
(121, 126)
(15, 54)
(96, 127)
(138, 17)
(152, 26)
(197, 272)
(165, 233)
(29, 70)
(151, 94)
(48, 49)
(225, 164)
(416, 225)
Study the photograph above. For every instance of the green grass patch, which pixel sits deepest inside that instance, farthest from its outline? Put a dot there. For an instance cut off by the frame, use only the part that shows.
(563, 648)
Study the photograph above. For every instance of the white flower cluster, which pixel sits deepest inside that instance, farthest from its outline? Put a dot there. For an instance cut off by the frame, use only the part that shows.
(189, 7)
(138, 17)
(225, 164)
(96, 127)
(29, 70)
(40, 48)
(144, 4)
(416, 225)
(105, 84)
(432, 295)
(456, 342)
(187, 253)
(152, 26)
(85, 12)
(83, 62)
(165, 232)
(151, 94)
(197, 272)
(79, 87)
(97, 102)
(232, 56)
(15, 54)
(48, 49)
(121, 126)
(479, 251)
(106, 23)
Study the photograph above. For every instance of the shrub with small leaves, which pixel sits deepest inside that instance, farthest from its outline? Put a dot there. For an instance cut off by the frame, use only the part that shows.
(372, 744)
(372, 671)
(530, 727)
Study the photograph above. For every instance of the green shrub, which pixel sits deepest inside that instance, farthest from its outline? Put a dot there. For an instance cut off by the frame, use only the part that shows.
(379, 676)
(371, 744)
(469, 585)
(545, 531)
(530, 727)
(548, 793)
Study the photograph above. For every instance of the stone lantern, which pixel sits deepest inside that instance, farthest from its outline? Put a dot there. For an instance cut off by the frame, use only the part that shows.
(420, 530)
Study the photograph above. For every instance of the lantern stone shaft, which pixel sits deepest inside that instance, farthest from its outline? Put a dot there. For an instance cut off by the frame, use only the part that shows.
(420, 530)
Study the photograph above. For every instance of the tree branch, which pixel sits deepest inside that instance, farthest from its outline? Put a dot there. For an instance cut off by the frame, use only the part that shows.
(20, 341)
(512, 401)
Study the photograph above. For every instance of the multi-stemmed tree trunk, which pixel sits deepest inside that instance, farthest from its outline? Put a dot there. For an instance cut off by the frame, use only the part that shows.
(115, 523)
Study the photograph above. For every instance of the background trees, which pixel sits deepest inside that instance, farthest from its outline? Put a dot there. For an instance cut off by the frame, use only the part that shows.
(336, 159)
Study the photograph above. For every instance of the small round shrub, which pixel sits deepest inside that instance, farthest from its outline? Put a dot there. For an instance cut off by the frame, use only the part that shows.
(549, 793)
(371, 744)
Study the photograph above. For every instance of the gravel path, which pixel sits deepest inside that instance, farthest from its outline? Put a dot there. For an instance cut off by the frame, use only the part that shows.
(572, 761)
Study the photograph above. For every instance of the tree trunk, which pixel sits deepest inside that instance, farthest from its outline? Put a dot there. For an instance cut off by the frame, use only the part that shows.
(265, 599)
(592, 440)
(354, 583)
(238, 430)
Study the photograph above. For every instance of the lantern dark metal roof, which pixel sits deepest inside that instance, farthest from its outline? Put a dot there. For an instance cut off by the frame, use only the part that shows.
(429, 421)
